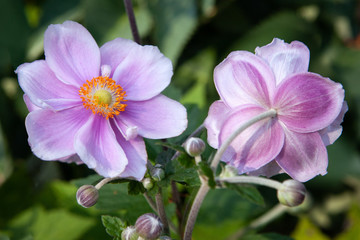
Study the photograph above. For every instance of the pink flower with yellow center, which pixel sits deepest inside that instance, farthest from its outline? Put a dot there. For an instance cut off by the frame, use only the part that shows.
(309, 110)
(94, 105)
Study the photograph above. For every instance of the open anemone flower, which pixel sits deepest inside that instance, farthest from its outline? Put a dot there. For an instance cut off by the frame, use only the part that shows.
(94, 106)
(309, 109)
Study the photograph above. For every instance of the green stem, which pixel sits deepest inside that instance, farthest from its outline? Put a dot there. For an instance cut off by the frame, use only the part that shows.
(253, 180)
(204, 188)
(105, 181)
(161, 211)
(190, 223)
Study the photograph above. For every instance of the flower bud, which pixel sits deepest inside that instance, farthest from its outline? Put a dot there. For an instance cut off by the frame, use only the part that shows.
(157, 173)
(87, 196)
(129, 233)
(194, 146)
(149, 226)
(292, 193)
(228, 171)
(147, 183)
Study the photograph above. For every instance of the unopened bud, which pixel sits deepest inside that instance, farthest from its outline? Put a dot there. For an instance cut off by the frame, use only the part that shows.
(157, 173)
(292, 193)
(87, 195)
(147, 183)
(149, 226)
(228, 171)
(194, 146)
(129, 233)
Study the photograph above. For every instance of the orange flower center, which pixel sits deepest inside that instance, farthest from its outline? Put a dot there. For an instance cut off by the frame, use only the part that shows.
(103, 96)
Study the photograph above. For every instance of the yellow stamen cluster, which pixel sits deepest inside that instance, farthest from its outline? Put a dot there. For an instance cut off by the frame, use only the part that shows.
(103, 96)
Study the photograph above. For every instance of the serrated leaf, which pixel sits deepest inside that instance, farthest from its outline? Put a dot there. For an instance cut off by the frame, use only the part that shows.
(175, 21)
(178, 173)
(207, 171)
(248, 192)
(135, 188)
(113, 225)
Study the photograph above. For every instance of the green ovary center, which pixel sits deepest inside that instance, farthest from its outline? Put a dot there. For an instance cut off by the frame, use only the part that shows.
(103, 97)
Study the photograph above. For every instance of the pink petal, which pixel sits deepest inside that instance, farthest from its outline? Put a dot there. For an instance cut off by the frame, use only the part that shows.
(113, 53)
(307, 102)
(51, 134)
(142, 71)
(303, 156)
(71, 53)
(136, 154)
(334, 130)
(285, 59)
(243, 78)
(218, 113)
(44, 89)
(30, 106)
(98, 148)
(159, 117)
(257, 145)
(269, 170)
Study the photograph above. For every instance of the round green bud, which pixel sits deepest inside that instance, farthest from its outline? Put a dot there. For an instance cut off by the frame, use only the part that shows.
(147, 183)
(157, 173)
(129, 233)
(292, 193)
(87, 196)
(194, 146)
(228, 171)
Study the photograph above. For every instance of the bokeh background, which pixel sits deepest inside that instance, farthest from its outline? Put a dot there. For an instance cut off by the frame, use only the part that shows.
(37, 198)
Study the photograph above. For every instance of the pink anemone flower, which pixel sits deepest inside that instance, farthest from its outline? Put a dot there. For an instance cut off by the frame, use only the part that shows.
(94, 105)
(309, 109)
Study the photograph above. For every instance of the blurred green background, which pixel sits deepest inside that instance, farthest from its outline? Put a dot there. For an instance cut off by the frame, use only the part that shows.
(37, 199)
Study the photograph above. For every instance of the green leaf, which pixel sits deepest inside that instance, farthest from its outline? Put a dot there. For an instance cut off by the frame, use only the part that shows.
(248, 192)
(135, 188)
(178, 173)
(113, 226)
(175, 21)
(55, 224)
(266, 236)
(305, 229)
(207, 171)
(353, 219)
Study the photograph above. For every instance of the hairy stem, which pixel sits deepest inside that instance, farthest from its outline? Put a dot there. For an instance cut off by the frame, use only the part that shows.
(253, 180)
(131, 16)
(161, 211)
(204, 189)
(190, 223)
(225, 145)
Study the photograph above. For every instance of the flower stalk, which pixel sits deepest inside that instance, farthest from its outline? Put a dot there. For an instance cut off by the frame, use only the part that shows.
(131, 16)
(204, 188)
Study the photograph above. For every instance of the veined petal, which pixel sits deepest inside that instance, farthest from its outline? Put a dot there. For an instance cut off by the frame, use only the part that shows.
(285, 59)
(143, 71)
(334, 130)
(307, 102)
(72, 53)
(30, 106)
(257, 145)
(218, 113)
(43, 88)
(303, 156)
(136, 154)
(51, 134)
(156, 118)
(243, 78)
(98, 148)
